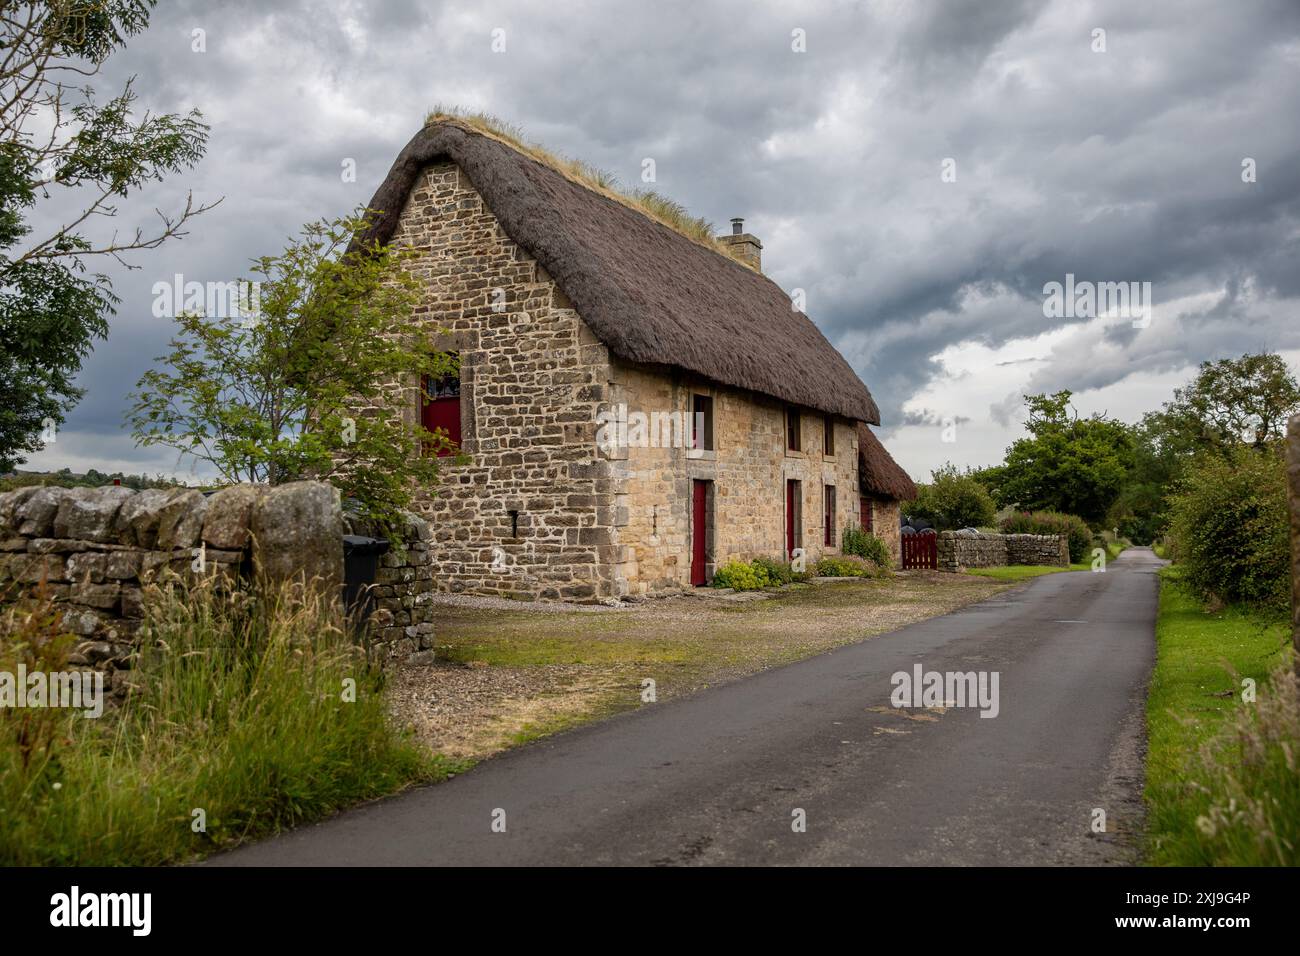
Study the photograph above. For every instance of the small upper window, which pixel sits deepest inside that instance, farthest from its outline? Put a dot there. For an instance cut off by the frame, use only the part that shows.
(441, 409)
(828, 436)
(702, 423)
(792, 439)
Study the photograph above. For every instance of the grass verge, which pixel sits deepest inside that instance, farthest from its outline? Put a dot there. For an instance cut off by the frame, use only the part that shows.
(246, 716)
(1022, 572)
(1222, 784)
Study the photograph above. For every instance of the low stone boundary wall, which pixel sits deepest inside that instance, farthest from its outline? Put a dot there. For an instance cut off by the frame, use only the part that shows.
(958, 550)
(402, 619)
(95, 549)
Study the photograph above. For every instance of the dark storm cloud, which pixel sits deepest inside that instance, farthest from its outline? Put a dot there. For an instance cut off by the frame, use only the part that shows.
(1122, 165)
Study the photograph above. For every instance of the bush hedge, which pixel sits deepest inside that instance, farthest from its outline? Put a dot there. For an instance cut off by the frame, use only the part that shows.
(1229, 525)
(755, 575)
(849, 566)
(952, 500)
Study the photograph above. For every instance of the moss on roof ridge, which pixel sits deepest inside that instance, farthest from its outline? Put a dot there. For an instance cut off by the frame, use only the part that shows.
(653, 205)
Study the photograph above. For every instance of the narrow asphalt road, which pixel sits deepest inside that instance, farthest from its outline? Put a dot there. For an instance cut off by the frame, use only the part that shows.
(718, 778)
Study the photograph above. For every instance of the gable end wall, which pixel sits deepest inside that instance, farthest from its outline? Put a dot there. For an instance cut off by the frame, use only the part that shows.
(533, 378)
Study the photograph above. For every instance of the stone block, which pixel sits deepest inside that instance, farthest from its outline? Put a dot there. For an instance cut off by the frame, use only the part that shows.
(298, 530)
(89, 514)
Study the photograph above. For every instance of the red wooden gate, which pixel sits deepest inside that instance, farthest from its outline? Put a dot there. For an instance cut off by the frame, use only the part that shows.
(920, 551)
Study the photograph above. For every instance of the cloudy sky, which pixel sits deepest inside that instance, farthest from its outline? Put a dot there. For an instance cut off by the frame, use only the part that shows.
(921, 170)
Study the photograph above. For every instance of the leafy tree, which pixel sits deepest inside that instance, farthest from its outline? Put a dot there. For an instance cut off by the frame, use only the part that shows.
(1141, 512)
(60, 145)
(1230, 401)
(1230, 405)
(953, 499)
(304, 387)
(1068, 464)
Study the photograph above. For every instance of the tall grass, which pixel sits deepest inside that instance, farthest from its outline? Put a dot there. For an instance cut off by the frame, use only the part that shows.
(258, 711)
(1223, 785)
(1250, 785)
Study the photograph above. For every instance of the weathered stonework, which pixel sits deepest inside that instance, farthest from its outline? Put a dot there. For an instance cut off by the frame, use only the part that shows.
(529, 513)
(539, 510)
(401, 620)
(885, 525)
(747, 472)
(957, 550)
(98, 577)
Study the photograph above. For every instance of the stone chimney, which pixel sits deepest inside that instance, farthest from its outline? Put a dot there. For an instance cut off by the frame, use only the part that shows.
(743, 246)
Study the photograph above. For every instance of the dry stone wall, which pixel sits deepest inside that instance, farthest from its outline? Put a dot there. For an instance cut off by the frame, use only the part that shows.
(401, 619)
(93, 550)
(958, 550)
(1048, 549)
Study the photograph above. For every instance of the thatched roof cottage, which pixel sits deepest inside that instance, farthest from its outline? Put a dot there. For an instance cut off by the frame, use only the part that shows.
(637, 401)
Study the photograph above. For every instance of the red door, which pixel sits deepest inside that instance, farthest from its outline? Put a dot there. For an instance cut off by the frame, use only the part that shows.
(699, 530)
(791, 504)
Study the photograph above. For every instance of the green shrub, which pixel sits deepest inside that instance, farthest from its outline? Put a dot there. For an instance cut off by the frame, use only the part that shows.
(777, 572)
(953, 500)
(848, 567)
(241, 707)
(1229, 525)
(864, 544)
(1078, 535)
(741, 576)
(757, 574)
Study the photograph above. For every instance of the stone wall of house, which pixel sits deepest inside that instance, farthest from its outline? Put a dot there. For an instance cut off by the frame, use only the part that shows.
(957, 550)
(747, 469)
(538, 510)
(94, 549)
(531, 514)
(886, 519)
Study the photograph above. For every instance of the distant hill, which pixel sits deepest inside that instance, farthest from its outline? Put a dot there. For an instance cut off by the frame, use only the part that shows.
(65, 478)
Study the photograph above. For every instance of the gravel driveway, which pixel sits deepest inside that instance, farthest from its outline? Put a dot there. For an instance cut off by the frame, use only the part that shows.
(508, 672)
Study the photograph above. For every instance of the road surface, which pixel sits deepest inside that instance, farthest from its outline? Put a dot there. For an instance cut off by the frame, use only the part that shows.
(721, 777)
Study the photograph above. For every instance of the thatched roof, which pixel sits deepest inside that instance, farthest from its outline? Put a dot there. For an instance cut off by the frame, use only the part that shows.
(878, 473)
(651, 294)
